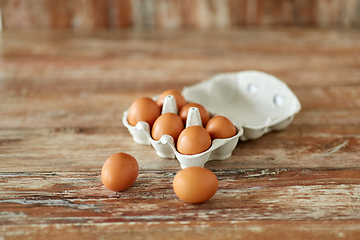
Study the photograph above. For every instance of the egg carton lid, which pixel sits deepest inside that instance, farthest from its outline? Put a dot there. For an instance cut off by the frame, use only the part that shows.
(253, 100)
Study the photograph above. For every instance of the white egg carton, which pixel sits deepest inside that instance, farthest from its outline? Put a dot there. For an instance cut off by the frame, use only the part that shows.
(255, 102)
(165, 146)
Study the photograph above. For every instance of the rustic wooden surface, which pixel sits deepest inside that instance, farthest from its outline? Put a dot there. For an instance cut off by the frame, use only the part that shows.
(177, 14)
(61, 101)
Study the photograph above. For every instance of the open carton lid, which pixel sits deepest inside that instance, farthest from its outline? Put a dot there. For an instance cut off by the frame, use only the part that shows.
(253, 100)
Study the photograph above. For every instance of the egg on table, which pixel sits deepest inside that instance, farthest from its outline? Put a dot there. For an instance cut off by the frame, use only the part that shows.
(119, 171)
(195, 184)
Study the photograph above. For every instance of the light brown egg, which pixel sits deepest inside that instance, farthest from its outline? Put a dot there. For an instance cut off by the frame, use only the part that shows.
(193, 140)
(144, 109)
(204, 114)
(195, 184)
(220, 127)
(167, 123)
(180, 100)
(119, 171)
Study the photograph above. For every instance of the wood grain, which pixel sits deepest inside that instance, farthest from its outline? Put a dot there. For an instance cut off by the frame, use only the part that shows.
(256, 203)
(202, 230)
(62, 95)
(178, 14)
(81, 149)
(320, 67)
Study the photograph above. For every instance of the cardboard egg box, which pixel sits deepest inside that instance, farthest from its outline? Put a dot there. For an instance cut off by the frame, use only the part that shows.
(255, 102)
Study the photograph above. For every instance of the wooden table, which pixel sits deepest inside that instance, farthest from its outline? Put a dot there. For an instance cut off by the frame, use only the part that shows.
(62, 96)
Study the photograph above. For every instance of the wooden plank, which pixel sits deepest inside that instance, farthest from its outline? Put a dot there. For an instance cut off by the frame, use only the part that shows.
(19, 14)
(87, 149)
(299, 41)
(254, 230)
(243, 195)
(68, 104)
(115, 75)
(91, 14)
(205, 14)
(178, 14)
(254, 201)
(161, 73)
(27, 103)
(46, 56)
(120, 14)
(167, 14)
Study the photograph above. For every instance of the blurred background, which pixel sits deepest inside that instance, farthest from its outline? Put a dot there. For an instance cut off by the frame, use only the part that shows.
(175, 14)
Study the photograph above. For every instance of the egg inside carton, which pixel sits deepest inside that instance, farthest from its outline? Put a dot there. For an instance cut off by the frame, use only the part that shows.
(255, 102)
(165, 147)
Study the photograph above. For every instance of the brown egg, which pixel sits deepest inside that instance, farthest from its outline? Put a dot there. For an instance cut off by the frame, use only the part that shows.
(180, 100)
(220, 127)
(119, 171)
(168, 123)
(195, 184)
(193, 140)
(144, 109)
(205, 116)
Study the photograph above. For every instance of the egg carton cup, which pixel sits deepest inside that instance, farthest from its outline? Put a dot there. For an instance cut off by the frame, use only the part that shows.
(256, 101)
(165, 147)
